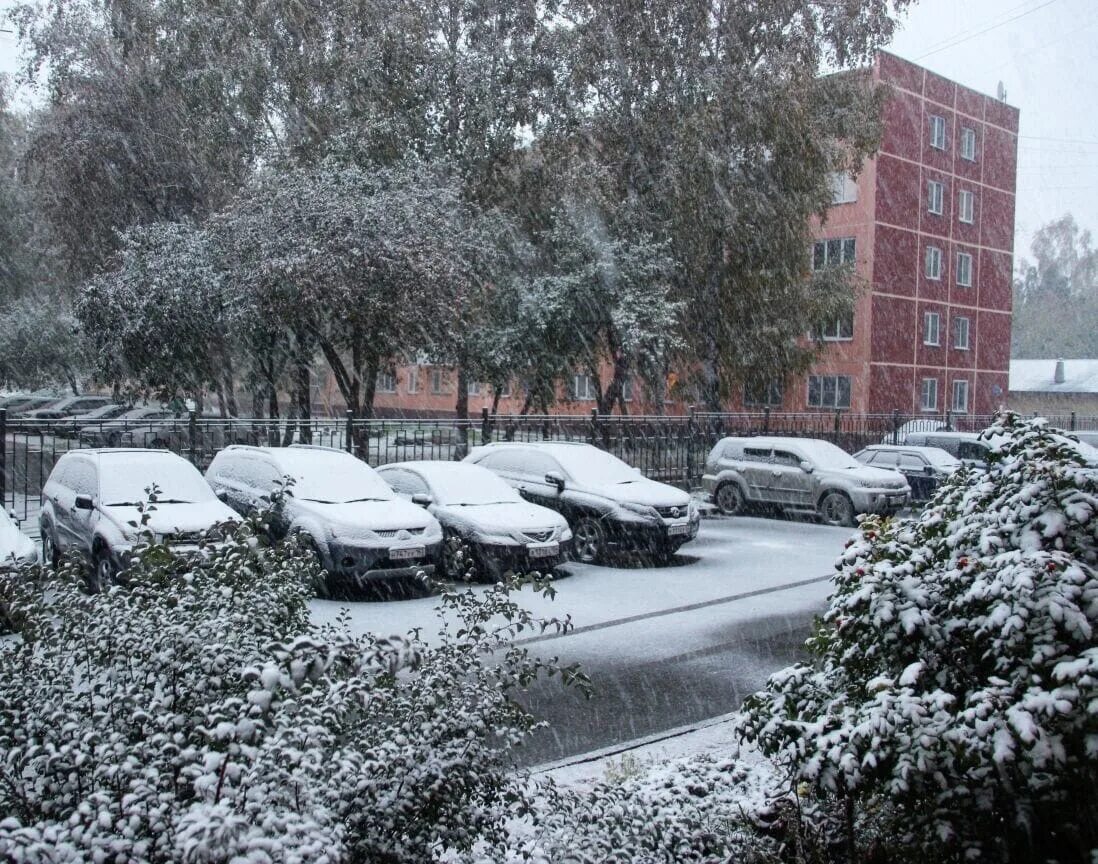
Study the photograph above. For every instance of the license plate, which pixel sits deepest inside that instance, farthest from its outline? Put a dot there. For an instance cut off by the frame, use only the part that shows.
(548, 550)
(411, 552)
(672, 530)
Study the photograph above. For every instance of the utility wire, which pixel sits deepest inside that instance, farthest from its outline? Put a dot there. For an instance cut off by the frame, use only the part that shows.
(960, 41)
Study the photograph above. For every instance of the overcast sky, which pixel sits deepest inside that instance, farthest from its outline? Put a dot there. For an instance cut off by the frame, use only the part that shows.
(1046, 54)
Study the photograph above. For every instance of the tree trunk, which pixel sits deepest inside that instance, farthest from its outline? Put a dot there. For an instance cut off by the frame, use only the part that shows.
(303, 395)
(461, 409)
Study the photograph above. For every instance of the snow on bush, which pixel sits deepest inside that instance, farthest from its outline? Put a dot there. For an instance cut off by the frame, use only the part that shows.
(194, 715)
(953, 706)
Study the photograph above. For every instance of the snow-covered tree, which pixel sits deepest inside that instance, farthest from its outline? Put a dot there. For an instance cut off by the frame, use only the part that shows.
(40, 344)
(952, 709)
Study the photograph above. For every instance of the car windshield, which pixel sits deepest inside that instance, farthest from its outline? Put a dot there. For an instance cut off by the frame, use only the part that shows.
(468, 485)
(332, 478)
(941, 459)
(591, 465)
(125, 477)
(825, 455)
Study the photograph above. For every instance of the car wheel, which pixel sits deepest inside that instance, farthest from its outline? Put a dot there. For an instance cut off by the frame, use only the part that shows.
(836, 509)
(589, 540)
(102, 573)
(50, 554)
(729, 499)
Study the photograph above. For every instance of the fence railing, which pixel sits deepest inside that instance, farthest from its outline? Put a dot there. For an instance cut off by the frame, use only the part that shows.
(672, 449)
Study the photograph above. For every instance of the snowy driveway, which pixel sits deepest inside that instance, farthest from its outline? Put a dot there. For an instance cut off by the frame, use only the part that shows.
(664, 646)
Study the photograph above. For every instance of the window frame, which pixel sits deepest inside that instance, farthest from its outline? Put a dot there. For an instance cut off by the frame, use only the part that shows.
(968, 257)
(831, 382)
(835, 329)
(844, 188)
(438, 382)
(389, 376)
(937, 124)
(958, 319)
(968, 195)
(968, 134)
(412, 380)
(937, 318)
(934, 252)
(768, 389)
(924, 404)
(844, 243)
(589, 387)
(963, 388)
(935, 195)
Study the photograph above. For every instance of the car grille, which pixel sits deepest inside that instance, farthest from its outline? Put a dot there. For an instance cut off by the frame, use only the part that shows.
(393, 532)
(538, 536)
(676, 512)
(184, 538)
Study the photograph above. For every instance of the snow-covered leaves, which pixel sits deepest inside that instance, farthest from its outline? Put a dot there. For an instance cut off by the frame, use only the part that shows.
(955, 674)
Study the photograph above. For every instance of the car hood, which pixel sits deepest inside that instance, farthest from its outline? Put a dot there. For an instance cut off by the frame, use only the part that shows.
(500, 518)
(883, 477)
(174, 518)
(388, 515)
(14, 543)
(643, 491)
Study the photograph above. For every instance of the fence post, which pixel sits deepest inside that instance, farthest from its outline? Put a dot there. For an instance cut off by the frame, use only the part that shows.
(4, 457)
(350, 431)
(593, 434)
(690, 427)
(1072, 422)
(949, 420)
(192, 432)
(838, 420)
(766, 420)
(895, 426)
(485, 426)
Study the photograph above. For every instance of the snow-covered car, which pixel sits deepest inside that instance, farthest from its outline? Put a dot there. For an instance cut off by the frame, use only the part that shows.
(924, 467)
(16, 548)
(968, 447)
(70, 426)
(110, 432)
(503, 532)
(90, 507)
(801, 475)
(357, 526)
(610, 506)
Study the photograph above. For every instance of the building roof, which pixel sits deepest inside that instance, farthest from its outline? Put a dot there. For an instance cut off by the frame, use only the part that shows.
(1039, 376)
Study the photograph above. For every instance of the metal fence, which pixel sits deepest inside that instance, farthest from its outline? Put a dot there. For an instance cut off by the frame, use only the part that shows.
(672, 449)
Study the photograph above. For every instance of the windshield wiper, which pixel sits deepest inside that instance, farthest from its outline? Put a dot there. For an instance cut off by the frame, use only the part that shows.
(123, 504)
(173, 501)
(356, 500)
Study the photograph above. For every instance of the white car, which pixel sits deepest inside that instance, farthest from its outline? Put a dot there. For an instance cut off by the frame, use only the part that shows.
(90, 507)
(609, 505)
(358, 528)
(16, 548)
(504, 532)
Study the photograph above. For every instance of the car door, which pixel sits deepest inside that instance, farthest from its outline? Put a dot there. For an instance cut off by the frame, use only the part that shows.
(531, 471)
(915, 469)
(756, 468)
(790, 484)
(84, 481)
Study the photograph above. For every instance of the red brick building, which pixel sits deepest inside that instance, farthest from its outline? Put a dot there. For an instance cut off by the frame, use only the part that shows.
(929, 225)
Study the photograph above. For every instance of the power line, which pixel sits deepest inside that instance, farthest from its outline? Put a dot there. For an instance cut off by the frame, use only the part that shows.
(1059, 140)
(960, 41)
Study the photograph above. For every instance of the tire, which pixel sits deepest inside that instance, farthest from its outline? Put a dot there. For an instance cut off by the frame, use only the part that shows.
(589, 540)
(101, 576)
(835, 508)
(51, 557)
(730, 499)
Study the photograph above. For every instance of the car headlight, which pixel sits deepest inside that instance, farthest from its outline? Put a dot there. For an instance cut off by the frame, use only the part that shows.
(870, 484)
(644, 510)
(565, 534)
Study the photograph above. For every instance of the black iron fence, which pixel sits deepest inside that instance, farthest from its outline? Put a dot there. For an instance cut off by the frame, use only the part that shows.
(672, 449)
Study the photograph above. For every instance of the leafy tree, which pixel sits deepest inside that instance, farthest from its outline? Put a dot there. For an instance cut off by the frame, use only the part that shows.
(1056, 295)
(952, 708)
(40, 344)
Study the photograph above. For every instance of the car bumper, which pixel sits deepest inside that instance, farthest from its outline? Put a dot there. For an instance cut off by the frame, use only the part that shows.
(880, 501)
(362, 564)
(651, 537)
(517, 558)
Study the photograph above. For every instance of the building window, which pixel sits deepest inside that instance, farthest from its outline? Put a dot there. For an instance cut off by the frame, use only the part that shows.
(474, 388)
(829, 391)
(627, 390)
(932, 323)
(933, 262)
(930, 394)
(438, 381)
(839, 330)
(386, 381)
(843, 188)
(832, 253)
(964, 269)
(960, 333)
(763, 394)
(583, 388)
(967, 206)
(960, 396)
(935, 195)
(937, 132)
(968, 144)
(413, 379)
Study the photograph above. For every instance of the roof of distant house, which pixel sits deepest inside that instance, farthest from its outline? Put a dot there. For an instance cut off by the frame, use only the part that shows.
(1039, 376)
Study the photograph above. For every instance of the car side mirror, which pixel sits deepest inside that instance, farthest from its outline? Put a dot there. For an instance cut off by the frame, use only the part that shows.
(422, 499)
(84, 502)
(14, 518)
(929, 470)
(222, 494)
(554, 479)
(807, 467)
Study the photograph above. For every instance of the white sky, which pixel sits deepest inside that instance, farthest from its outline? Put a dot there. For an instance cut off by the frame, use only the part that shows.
(1046, 54)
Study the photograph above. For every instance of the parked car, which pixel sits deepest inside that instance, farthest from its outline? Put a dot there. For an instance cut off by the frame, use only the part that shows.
(109, 434)
(504, 533)
(45, 419)
(174, 433)
(90, 501)
(20, 407)
(359, 529)
(72, 425)
(924, 467)
(966, 446)
(610, 506)
(16, 548)
(799, 474)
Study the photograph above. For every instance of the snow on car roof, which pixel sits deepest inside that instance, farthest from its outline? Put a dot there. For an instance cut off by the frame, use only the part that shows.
(326, 474)
(461, 482)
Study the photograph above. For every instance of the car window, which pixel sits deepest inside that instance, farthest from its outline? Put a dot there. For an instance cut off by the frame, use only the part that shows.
(60, 474)
(972, 450)
(506, 460)
(244, 469)
(404, 481)
(783, 457)
(756, 454)
(911, 462)
(885, 459)
(82, 477)
(537, 464)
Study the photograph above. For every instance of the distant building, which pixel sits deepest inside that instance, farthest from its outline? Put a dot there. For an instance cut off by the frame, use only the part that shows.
(929, 225)
(1054, 387)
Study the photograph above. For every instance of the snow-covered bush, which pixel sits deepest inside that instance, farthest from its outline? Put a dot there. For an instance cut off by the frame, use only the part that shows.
(953, 706)
(194, 715)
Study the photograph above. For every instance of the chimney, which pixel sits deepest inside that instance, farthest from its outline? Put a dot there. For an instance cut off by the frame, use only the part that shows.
(1058, 378)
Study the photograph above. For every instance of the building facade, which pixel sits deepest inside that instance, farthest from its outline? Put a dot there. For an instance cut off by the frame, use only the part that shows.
(929, 226)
